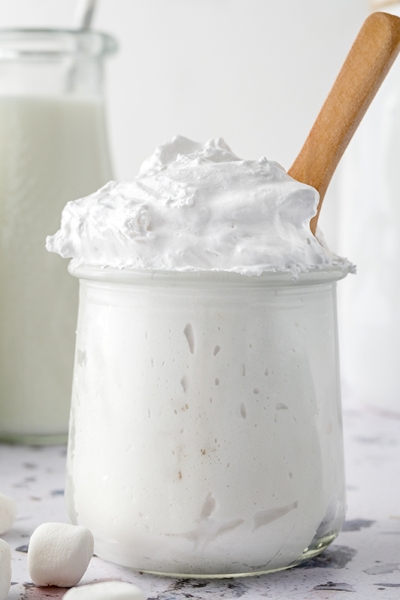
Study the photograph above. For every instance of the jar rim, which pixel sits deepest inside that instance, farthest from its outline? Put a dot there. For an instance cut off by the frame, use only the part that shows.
(23, 43)
(266, 279)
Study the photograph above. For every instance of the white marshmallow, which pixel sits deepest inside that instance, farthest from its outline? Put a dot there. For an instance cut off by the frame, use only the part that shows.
(59, 554)
(107, 590)
(5, 569)
(8, 512)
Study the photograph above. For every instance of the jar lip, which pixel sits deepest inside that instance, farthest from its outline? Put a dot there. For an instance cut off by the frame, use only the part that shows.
(20, 43)
(266, 279)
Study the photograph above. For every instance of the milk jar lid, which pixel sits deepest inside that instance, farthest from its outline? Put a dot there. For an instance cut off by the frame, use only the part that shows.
(52, 43)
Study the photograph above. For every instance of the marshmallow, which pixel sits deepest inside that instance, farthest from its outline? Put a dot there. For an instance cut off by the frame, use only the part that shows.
(59, 554)
(8, 512)
(5, 569)
(107, 590)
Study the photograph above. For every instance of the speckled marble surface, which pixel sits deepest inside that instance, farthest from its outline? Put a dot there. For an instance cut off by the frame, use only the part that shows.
(364, 562)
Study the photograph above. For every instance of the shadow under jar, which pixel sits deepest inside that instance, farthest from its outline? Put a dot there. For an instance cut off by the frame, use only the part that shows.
(205, 433)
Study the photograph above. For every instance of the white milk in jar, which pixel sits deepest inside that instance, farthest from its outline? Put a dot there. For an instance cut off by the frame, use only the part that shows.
(53, 147)
(206, 433)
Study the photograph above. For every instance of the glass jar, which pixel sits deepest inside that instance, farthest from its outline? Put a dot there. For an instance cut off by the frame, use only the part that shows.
(369, 231)
(53, 148)
(205, 433)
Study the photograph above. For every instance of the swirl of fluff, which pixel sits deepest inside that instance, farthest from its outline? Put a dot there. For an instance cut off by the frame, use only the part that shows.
(196, 207)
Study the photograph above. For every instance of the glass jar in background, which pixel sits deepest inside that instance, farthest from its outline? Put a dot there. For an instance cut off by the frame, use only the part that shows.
(369, 231)
(206, 417)
(53, 148)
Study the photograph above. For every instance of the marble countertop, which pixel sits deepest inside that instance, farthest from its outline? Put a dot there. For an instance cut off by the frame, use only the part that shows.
(363, 563)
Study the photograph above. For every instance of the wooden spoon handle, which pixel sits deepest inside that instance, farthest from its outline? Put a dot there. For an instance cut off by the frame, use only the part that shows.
(366, 66)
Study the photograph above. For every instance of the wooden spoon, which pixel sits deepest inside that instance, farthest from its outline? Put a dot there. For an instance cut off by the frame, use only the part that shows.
(366, 66)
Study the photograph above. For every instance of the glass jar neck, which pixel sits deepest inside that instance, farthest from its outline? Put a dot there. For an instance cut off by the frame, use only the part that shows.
(222, 279)
(53, 63)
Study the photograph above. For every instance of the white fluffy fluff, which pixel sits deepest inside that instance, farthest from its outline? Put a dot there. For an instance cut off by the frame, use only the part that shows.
(197, 207)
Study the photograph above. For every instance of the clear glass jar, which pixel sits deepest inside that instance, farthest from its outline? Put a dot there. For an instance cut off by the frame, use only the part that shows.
(205, 433)
(53, 148)
(369, 231)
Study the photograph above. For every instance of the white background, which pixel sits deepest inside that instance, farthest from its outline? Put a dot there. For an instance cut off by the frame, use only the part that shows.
(255, 72)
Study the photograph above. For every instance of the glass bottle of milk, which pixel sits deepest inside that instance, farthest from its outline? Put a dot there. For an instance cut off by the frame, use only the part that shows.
(53, 148)
(370, 234)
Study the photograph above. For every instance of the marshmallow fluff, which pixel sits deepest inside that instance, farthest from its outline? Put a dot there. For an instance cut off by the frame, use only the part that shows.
(205, 433)
(206, 417)
(8, 512)
(59, 554)
(107, 590)
(5, 569)
(197, 207)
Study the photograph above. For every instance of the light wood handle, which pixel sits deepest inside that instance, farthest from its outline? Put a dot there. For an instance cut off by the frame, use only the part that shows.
(366, 66)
